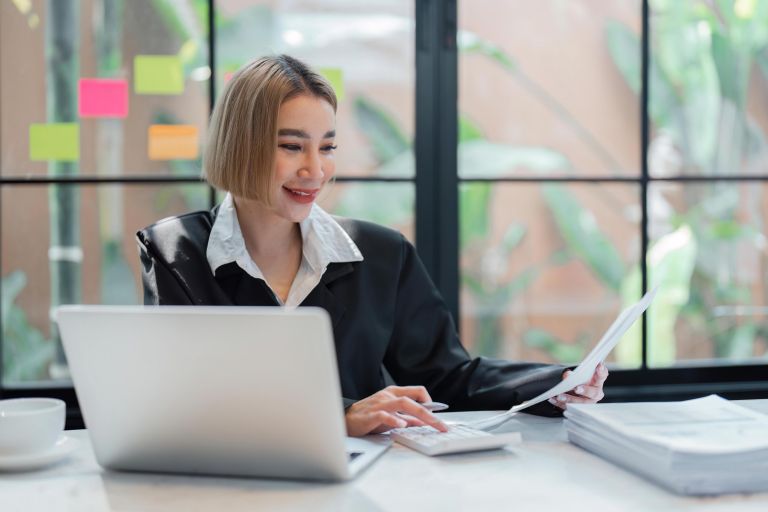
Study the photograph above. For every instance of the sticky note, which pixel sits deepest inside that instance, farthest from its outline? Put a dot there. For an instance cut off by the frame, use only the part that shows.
(172, 142)
(54, 141)
(336, 78)
(158, 74)
(102, 97)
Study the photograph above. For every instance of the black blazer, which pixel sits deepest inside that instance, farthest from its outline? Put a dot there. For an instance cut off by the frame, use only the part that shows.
(385, 311)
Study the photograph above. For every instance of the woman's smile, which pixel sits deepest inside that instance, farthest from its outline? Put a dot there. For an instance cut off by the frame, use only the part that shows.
(301, 195)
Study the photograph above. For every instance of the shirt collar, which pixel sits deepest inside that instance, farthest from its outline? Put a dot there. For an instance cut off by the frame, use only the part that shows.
(324, 241)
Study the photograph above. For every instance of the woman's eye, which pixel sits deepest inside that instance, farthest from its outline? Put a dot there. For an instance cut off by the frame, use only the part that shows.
(328, 148)
(291, 147)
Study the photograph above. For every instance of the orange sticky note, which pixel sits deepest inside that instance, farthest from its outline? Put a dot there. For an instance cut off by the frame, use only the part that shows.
(173, 142)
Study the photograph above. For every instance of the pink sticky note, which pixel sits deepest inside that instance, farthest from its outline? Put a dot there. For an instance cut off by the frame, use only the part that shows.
(103, 97)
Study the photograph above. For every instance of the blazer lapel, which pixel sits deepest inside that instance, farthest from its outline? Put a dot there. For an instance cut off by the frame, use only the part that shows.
(321, 296)
(242, 289)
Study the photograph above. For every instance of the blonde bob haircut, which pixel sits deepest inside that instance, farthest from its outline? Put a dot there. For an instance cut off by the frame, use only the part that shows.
(242, 135)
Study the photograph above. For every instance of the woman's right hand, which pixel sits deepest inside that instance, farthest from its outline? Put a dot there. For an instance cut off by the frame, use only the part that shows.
(392, 407)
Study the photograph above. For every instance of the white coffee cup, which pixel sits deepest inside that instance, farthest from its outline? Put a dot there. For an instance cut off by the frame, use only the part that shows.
(30, 425)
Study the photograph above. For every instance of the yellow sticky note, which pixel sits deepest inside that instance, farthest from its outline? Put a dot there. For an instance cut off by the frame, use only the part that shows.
(336, 77)
(158, 74)
(54, 141)
(173, 142)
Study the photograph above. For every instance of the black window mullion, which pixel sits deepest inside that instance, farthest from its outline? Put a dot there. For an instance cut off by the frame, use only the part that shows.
(212, 79)
(644, 143)
(436, 140)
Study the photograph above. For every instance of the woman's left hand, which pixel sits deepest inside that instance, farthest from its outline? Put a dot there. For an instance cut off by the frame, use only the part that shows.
(589, 393)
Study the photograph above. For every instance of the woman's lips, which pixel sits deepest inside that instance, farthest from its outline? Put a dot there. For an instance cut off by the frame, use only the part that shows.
(301, 196)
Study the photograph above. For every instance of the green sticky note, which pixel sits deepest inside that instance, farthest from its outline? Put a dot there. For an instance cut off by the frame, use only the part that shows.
(158, 74)
(54, 141)
(336, 77)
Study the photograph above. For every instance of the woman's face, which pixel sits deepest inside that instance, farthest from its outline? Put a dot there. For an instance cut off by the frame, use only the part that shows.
(304, 159)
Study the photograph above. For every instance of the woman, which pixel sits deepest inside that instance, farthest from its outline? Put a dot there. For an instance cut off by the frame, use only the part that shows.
(271, 146)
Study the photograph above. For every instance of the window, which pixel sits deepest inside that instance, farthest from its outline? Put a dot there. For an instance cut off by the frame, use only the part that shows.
(606, 148)
(546, 262)
(551, 160)
(100, 136)
(68, 221)
(366, 51)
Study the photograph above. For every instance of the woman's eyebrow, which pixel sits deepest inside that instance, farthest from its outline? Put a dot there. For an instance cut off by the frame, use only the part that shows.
(292, 132)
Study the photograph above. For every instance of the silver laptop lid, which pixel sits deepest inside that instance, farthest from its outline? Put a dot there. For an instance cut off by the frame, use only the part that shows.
(216, 390)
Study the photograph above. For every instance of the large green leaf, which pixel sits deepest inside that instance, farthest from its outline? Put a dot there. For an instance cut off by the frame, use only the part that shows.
(473, 212)
(482, 159)
(671, 262)
(513, 235)
(385, 137)
(624, 47)
(11, 285)
(732, 69)
(583, 237)
(741, 343)
(683, 50)
(625, 50)
(469, 42)
(117, 284)
(506, 293)
(560, 351)
(390, 204)
(26, 352)
(474, 198)
(762, 61)
(468, 130)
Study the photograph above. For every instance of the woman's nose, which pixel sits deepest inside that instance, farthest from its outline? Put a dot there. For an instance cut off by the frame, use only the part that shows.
(313, 166)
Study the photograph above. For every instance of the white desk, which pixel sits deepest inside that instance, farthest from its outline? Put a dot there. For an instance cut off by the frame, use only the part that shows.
(544, 473)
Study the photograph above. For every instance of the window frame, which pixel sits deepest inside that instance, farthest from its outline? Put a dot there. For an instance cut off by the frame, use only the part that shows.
(437, 184)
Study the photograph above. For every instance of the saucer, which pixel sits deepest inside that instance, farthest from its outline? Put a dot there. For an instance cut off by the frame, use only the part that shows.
(63, 447)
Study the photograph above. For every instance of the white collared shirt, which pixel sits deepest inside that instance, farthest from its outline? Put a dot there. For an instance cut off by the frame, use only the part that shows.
(324, 241)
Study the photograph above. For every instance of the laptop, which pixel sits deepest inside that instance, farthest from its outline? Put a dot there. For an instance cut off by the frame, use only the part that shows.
(238, 391)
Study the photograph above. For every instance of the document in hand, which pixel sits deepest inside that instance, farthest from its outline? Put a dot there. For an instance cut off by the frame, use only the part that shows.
(583, 373)
(706, 446)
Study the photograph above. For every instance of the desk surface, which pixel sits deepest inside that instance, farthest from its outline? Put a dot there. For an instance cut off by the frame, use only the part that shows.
(544, 473)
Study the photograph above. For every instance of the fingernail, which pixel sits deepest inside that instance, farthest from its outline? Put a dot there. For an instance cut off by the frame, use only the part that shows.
(580, 390)
(562, 398)
(553, 401)
(402, 423)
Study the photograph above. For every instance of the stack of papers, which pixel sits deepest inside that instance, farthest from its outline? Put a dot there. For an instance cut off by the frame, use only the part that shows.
(706, 446)
(582, 373)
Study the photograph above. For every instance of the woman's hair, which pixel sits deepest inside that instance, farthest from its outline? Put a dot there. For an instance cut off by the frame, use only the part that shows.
(242, 135)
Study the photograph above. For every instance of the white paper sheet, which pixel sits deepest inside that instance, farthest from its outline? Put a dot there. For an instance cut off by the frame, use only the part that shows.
(582, 373)
(706, 446)
(708, 425)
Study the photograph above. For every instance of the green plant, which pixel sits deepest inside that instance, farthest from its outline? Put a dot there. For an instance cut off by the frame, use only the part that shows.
(26, 352)
(486, 263)
(705, 55)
